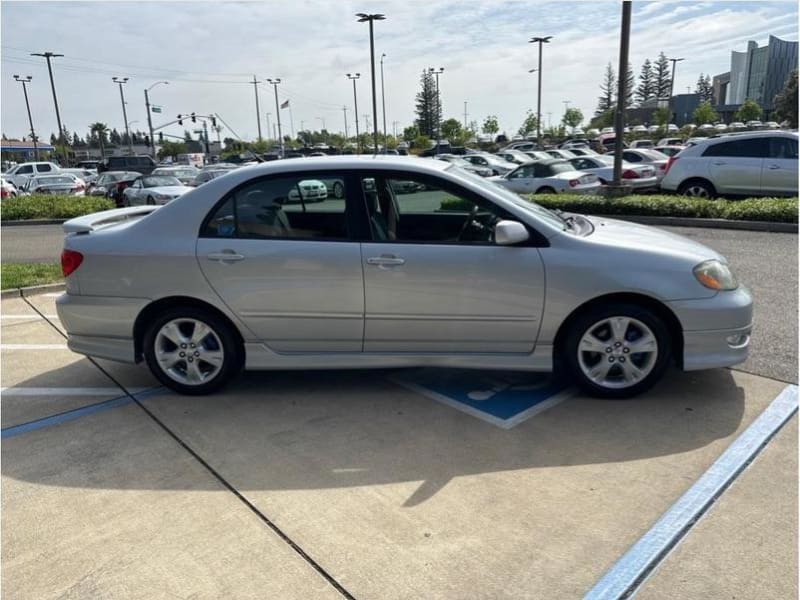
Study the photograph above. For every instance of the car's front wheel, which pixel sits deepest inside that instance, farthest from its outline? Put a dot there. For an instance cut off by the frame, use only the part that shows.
(617, 351)
(192, 350)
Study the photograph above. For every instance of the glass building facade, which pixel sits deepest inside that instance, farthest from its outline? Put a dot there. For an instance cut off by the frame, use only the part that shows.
(760, 73)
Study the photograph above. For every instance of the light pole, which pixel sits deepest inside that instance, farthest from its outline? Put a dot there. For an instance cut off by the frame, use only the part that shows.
(344, 111)
(120, 81)
(619, 113)
(438, 72)
(323, 122)
(540, 41)
(674, 61)
(371, 18)
(269, 129)
(383, 102)
(24, 81)
(526, 133)
(149, 118)
(255, 83)
(47, 56)
(274, 83)
(355, 109)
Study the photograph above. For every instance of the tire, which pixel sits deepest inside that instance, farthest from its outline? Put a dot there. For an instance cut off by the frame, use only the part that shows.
(697, 188)
(150, 201)
(171, 333)
(619, 380)
(545, 190)
(338, 190)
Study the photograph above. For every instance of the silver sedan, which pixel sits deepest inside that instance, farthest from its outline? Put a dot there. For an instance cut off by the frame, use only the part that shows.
(638, 177)
(153, 189)
(458, 272)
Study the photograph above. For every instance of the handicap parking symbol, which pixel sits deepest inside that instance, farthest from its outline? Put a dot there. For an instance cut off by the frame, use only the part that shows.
(501, 398)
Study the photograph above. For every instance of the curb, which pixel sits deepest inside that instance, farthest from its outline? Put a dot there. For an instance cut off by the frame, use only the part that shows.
(33, 222)
(766, 226)
(33, 290)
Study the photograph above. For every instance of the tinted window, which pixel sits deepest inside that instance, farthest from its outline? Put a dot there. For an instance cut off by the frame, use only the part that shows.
(741, 148)
(631, 157)
(299, 207)
(781, 147)
(24, 170)
(561, 167)
(141, 161)
(44, 168)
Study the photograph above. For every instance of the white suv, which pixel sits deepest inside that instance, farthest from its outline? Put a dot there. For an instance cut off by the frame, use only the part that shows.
(20, 174)
(752, 164)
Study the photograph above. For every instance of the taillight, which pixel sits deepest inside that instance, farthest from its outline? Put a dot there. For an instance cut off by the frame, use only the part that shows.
(3, 193)
(574, 182)
(670, 161)
(70, 261)
(39, 189)
(629, 174)
(79, 188)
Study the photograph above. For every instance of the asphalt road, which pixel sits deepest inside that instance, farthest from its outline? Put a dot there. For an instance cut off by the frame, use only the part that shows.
(765, 262)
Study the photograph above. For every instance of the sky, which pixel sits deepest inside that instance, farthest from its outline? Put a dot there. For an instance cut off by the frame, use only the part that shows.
(209, 50)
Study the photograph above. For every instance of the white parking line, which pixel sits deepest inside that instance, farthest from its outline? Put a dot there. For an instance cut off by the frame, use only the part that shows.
(52, 294)
(33, 347)
(66, 391)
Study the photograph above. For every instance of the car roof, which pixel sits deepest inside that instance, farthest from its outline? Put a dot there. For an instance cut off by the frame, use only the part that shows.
(327, 163)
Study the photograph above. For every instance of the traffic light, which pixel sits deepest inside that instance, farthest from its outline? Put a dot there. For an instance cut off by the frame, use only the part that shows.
(160, 138)
(213, 121)
(194, 119)
(180, 120)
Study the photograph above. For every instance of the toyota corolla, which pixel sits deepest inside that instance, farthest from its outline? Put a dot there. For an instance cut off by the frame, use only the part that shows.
(457, 272)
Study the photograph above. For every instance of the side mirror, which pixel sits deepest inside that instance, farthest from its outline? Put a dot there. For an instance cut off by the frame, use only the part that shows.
(508, 233)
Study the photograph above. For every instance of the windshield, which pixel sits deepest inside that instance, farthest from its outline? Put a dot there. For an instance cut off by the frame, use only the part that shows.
(654, 154)
(531, 207)
(160, 181)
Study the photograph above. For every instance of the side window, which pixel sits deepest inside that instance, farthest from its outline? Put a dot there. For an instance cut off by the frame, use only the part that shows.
(43, 168)
(780, 147)
(423, 211)
(298, 207)
(740, 148)
(24, 170)
(540, 170)
(631, 157)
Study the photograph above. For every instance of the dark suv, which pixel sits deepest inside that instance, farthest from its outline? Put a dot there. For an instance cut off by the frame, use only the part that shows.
(141, 164)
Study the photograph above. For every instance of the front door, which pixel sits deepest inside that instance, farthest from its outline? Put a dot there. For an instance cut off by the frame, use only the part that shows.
(736, 165)
(435, 281)
(279, 254)
(779, 173)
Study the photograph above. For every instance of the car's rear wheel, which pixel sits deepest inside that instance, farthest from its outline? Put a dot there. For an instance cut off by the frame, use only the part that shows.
(698, 188)
(545, 190)
(338, 189)
(192, 350)
(617, 351)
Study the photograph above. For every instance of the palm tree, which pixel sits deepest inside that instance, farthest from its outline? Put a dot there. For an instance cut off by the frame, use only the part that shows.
(100, 130)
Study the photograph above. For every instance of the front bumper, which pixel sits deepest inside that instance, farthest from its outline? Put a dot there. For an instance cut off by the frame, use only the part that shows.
(716, 331)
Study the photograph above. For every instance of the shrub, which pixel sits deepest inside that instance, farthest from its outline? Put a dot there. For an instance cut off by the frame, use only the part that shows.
(51, 207)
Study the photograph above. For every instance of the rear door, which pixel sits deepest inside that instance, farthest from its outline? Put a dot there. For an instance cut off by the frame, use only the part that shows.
(779, 172)
(735, 165)
(289, 267)
(521, 180)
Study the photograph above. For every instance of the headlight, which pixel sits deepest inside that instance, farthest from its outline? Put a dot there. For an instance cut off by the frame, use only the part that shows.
(163, 196)
(715, 275)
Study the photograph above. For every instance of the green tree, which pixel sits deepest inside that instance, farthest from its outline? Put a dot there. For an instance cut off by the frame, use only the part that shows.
(410, 133)
(259, 146)
(786, 101)
(704, 89)
(604, 119)
(572, 117)
(421, 142)
(171, 149)
(529, 124)
(749, 111)
(661, 116)
(663, 81)
(630, 84)
(429, 111)
(608, 89)
(114, 137)
(452, 130)
(647, 83)
(705, 114)
(99, 131)
(490, 125)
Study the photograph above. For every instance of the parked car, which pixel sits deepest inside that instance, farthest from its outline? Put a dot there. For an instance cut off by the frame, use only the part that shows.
(737, 126)
(142, 164)
(208, 285)
(754, 124)
(669, 150)
(56, 183)
(153, 189)
(212, 172)
(772, 125)
(695, 139)
(19, 174)
(583, 151)
(7, 189)
(642, 156)
(490, 161)
(720, 127)
(669, 141)
(560, 153)
(753, 164)
(307, 190)
(87, 175)
(116, 189)
(466, 165)
(554, 176)
(91, 165)
(642, 144)
(638, 177)
(639, 129)
(186, 174)
(514, 156)
(102, 185)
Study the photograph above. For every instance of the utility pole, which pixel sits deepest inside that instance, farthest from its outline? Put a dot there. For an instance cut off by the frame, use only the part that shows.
(383, 101)
(255, 83)
(465, 115)
(540, 41)
(355, 109)
(24, 81)
(205, 135)
(371, 18)
(394, 127)
(149, 118)
(674, 61)
(48, 56)
(619, 116)
(344, 110)
(269, 129)
(438, 72)
(274, 83)
(120, 81)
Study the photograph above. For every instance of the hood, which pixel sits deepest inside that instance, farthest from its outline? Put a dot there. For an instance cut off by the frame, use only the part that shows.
(623, 234)
(171, 190)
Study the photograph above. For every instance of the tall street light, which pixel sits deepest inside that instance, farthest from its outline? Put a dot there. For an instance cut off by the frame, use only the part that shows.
(274, 83)
(47, 56)
(353, 77)
(120, 81)
(438, 72)
(619, 111)
(24, 81)
(269, 129)
(540, 41)
(371, 18)
(383, 102)
(526, 133)
(344, 111)
(674, 61)
(149, 118)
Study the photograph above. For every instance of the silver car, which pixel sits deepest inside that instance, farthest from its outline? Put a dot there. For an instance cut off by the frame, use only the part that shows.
(637, 177)
(458, 273)
(153, 189)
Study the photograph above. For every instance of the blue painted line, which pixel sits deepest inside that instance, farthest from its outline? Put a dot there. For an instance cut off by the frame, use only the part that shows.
(627, 575)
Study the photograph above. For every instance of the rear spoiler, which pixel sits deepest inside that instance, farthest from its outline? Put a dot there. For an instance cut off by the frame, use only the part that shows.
(98, 220)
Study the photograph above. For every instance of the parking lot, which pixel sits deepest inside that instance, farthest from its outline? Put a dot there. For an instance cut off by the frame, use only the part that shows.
(373, 484)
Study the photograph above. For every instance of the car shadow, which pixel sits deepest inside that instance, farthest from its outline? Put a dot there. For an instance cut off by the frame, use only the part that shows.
(338, 429)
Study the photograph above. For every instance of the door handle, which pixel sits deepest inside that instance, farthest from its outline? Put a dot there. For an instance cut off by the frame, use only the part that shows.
(773, 167)
(225, 256)
(386, 260)
(718, 164)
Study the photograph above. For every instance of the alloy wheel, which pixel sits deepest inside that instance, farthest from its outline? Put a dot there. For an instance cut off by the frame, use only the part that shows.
(189, 351)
